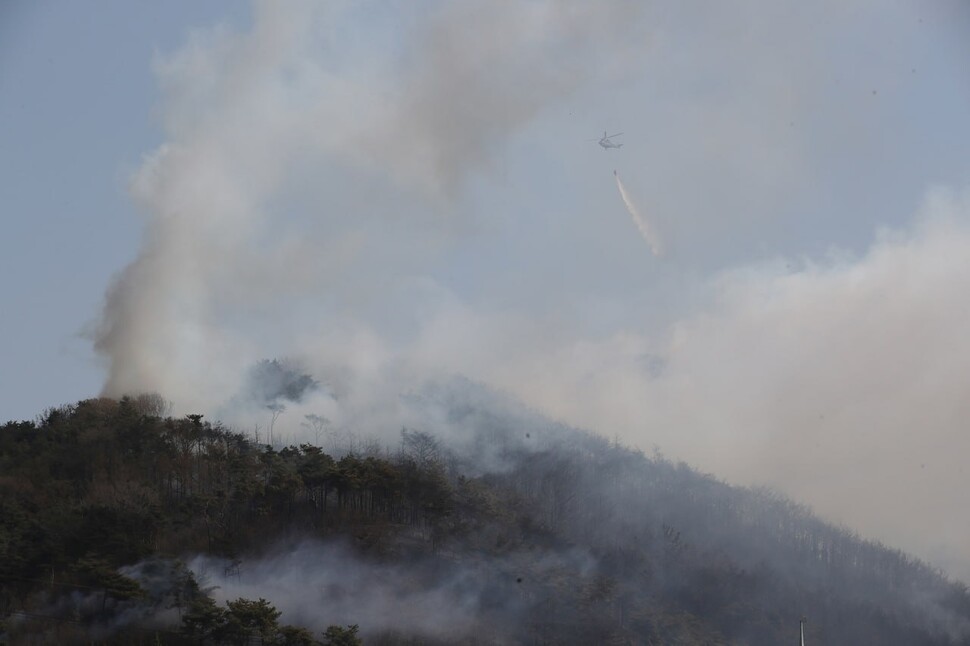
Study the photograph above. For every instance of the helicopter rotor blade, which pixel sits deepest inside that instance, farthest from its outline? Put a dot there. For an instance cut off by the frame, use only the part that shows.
(616, 135)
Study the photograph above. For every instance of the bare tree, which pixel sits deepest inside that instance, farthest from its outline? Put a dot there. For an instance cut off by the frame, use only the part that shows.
(316, 424)
(276, 409)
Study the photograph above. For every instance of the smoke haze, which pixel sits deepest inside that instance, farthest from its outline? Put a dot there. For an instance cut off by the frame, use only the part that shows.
(391, 195)
(321, 584)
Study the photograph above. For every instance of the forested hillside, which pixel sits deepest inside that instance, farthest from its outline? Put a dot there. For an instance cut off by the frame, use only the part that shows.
(120, 525)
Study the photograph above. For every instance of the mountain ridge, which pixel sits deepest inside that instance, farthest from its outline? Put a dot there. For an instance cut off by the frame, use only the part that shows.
(492, 524)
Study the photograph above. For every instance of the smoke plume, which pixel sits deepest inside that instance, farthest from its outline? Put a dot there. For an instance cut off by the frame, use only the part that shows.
(367, 192)
(300, 169)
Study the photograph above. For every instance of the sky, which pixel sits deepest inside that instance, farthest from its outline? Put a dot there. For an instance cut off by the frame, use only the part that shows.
(393, 192)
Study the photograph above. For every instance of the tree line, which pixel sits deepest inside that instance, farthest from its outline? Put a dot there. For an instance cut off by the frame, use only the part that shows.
(555, 535)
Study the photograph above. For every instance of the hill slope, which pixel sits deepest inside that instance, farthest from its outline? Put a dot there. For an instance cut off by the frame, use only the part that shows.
(491, 525)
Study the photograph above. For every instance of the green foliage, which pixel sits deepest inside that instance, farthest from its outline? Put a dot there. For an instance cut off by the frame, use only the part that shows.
(88, 489)
(339, 636)
(98, 574)
(204, 620)
(294, 636)
(243, 621)
(246, 619)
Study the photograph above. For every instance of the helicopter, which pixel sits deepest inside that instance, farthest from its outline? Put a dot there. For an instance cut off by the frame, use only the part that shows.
(606, 143)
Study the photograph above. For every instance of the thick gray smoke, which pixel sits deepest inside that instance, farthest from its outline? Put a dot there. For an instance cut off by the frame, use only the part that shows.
(350, 187)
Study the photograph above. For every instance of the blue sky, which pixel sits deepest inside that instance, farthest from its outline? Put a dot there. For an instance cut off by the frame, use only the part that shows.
(395, 191)
(78, 111)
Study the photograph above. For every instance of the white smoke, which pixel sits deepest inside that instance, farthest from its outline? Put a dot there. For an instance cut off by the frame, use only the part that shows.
(648, 233)
(322, 173)
(303, 171)
(316, 584)
(840, 382)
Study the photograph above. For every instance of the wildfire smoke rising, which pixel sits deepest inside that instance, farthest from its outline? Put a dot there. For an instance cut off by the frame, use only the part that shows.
(332, 188)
